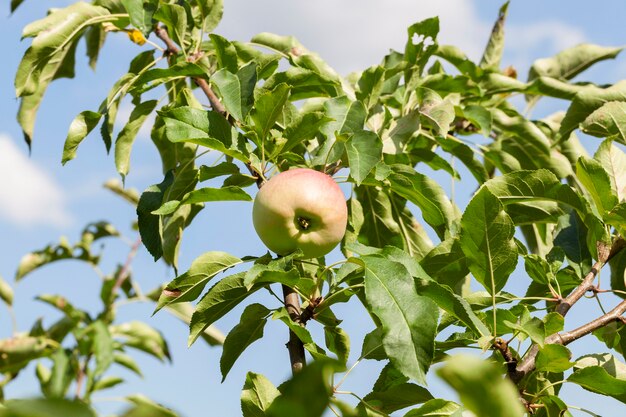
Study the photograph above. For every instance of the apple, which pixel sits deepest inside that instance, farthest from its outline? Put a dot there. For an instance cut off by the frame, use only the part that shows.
(300, 209)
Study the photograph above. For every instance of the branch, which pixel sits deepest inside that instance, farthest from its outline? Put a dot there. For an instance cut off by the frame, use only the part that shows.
(605, 254)
(295, 346)
(172, 49)
(123, 274)
(565, 338)
(290, 297)
(161, 33)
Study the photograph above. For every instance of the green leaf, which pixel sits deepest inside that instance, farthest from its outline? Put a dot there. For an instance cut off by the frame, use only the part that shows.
(268, 107)
(212, 11)
(372, 347)
(338, 342)
(437, 209)
(141, 336)
(541, 184)
(596, 180)
(249, 330)
(421, 43)
(6, 292)
(46, 407)
(452, 304)
(572, 61)
(554, 358)
(365, 150)
(487, 240)
(531, 327)
(175, 18)
(298, 55)
(435, 408)
(371, 85)
(588, 101)
(524, 138)
(348, 116)
(446, 263)
(173, 231)
(49, 44)
(127, 362)
(102, 346)
(307, 394)
(29, 104)
(613, 160)
(306, 126)
(597, 379)
(107, 382)
(277, 271)
(15, 4)
(154, 77)
(473, 379)
(225, 52)
(495, 46)
(61, 376)
(301, 332)
(435, 111)
(480, 117)
(126, 138)
(618, 275)
(397, 397)
(140, 13)
(150, 227)
(144, 407)
(608, 121)
(408, 320)
(205, 195)
(257, 395)
(237, 90)
(204, 128)
(305, 83)
(17, 352)
(94, 38)
(219, 300)
(81, 126)
(189, 286)
(223, 168)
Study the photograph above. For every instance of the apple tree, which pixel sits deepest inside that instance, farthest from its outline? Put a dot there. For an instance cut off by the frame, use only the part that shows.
(433, 277)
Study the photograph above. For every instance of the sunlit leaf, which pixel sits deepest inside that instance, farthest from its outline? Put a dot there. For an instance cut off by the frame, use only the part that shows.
(364, 150)
(572, 61)
(257, 395)
(189, 286)
(495, 46)
(218, 301)
(249, 330)
(473, 379)
(126, 138)
(487, 240)
(408, 320)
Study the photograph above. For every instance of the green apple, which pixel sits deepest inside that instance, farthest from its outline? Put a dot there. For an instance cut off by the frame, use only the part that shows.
(300, 208)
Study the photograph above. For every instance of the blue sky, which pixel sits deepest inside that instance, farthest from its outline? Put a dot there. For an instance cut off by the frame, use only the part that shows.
(41, 200)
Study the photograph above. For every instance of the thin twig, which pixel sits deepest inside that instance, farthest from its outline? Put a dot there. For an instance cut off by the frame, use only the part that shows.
(172, 49)
(123, 274)
(605, 254)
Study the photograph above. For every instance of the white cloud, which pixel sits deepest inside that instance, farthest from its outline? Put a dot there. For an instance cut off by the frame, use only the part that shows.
(354, 34)
(557, 35)
(28, 195)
